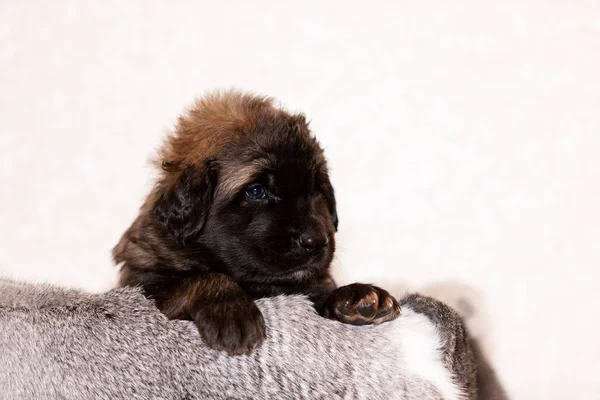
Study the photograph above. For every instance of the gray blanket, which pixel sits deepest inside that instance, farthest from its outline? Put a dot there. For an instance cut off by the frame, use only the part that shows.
(64, 344)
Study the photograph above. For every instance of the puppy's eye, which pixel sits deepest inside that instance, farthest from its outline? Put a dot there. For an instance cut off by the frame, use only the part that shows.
(256, 192)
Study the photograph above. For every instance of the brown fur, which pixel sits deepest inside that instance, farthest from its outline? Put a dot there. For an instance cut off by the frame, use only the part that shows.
(212, 123)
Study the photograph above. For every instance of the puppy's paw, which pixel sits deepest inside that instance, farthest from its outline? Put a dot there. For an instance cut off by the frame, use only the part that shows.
(361, 304)
(236, 327)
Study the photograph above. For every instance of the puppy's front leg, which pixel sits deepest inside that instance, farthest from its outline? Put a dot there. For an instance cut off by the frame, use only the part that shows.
(226, 316)
(355, 304)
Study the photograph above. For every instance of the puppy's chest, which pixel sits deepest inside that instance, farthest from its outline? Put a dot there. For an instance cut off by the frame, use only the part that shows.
(258, 291)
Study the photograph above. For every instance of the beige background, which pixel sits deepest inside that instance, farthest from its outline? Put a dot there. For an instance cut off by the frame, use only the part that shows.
(463, 138)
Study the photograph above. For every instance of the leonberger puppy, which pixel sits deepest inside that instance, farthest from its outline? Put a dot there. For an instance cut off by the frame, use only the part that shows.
(243, 208)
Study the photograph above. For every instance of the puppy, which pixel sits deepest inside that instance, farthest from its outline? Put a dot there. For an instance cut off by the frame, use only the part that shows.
(243, 208)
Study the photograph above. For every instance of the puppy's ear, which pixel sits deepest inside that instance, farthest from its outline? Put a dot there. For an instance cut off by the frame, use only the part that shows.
(181, 210)
(330, 196)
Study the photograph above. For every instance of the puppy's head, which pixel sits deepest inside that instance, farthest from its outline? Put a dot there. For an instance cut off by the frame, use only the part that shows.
(245, 185)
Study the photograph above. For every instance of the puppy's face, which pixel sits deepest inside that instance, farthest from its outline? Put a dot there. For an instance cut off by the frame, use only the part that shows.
(262, 206)
(277, 221)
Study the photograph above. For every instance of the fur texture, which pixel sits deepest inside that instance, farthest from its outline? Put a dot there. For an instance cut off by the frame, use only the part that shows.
(58, 343)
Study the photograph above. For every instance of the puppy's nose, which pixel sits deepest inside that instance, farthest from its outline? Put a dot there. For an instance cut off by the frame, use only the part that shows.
(307, 242)
(310, 243)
